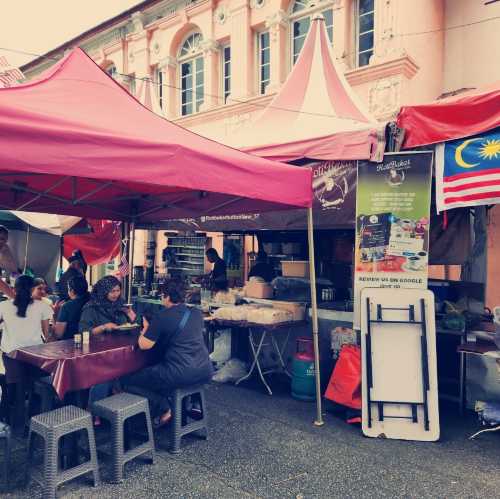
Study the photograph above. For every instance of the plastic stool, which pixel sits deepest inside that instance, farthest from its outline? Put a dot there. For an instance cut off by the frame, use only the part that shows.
(51, 426)
(183, 424)
(6, 437)
(117, 409)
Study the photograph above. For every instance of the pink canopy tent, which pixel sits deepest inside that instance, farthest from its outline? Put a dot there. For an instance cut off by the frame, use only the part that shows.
(315, 115)
(74, 142)
(463, 115)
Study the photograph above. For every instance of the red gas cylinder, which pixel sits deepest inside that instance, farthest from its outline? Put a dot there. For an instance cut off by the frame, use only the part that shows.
(303, 378)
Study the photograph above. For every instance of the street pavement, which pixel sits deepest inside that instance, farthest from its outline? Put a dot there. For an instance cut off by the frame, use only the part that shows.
(267, 447)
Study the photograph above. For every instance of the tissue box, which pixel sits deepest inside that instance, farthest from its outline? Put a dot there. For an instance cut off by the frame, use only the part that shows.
(258, 290)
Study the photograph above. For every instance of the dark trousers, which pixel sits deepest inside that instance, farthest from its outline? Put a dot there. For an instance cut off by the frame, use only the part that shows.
(151, 383)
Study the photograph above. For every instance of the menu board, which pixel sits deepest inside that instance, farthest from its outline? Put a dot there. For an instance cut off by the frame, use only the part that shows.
(392, 223)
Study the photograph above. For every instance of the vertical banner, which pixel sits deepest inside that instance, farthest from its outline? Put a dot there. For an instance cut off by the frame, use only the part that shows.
(392, 223)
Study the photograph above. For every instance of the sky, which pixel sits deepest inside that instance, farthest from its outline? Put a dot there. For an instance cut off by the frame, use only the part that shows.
(38, 26)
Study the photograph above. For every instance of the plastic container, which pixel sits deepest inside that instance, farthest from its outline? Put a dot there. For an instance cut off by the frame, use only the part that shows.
(303, 377)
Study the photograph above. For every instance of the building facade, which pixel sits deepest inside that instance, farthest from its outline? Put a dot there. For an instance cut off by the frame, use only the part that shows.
(217, 63)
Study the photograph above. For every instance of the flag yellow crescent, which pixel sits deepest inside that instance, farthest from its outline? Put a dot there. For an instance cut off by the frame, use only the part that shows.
(458, 154)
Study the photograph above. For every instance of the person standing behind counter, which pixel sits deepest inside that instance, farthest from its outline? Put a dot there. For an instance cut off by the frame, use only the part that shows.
(218, 276)
(262, 267)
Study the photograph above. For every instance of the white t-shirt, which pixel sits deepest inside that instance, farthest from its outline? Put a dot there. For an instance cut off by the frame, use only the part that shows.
(21, 332)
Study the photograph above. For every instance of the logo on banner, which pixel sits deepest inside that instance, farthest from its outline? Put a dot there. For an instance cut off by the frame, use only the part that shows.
(331, 184)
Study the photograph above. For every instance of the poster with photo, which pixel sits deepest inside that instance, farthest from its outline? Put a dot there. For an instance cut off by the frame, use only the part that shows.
(393, 201)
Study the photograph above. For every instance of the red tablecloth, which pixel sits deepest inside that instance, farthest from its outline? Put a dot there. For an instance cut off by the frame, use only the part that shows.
(108, 357)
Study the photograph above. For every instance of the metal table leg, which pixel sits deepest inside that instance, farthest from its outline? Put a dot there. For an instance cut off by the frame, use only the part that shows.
(256, 363)
(280, 351)
(463, 377)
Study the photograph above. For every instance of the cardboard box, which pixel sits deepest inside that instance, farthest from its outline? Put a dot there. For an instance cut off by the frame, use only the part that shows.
(297, 268)
(258, 290)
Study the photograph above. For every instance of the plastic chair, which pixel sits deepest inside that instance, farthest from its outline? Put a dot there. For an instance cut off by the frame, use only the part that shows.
(183, 421)
(117, 409)
(51, 426)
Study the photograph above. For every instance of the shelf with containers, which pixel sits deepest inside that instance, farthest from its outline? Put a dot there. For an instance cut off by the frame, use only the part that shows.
(185, 255)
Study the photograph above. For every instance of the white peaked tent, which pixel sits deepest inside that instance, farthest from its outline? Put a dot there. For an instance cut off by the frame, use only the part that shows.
(315, 115)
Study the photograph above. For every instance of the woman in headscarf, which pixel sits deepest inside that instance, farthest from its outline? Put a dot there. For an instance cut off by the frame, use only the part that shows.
(105, 310)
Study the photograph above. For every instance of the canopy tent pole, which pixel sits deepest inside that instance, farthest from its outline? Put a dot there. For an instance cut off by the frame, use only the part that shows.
(131, 261)
(314, 305)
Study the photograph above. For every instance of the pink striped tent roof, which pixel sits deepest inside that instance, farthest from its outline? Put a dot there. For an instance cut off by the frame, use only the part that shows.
(316, 114)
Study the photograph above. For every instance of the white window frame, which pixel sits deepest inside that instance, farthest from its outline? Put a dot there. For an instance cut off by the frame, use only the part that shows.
(307, 13)
(191, 59)
(358, 34)
(260, 34)
(158, 81)
(224, 76)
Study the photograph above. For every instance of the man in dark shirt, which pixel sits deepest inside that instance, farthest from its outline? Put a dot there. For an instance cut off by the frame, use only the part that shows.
(218, 276)
(69, 315)
(262, 268)
(75, 269)
(176, 333)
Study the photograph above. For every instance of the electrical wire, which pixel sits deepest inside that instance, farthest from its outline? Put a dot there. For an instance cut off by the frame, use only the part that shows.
(256, 104)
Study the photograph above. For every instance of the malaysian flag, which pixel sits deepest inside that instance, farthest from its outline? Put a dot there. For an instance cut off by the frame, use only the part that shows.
(9, 75)
(468, 171)
(123, 268)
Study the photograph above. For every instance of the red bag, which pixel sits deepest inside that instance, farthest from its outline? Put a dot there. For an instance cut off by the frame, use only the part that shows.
(344, 386)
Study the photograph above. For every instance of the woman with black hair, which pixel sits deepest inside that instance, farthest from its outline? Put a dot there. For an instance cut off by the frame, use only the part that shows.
(25, 321)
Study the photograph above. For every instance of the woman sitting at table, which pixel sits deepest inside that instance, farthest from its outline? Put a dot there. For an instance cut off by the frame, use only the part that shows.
(69, 316)
(105, 311)
(176, 332)
(25, 321)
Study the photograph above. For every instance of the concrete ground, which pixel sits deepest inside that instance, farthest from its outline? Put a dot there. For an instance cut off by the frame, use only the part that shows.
(267, 447)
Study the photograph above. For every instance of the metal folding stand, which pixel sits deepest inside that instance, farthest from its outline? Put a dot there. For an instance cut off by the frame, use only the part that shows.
(422, 326)
(256, 348)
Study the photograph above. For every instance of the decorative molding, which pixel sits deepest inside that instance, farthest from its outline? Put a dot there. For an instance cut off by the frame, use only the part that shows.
(236, 122)
(257, 4)
(279, 18)
(156, 48)
(167, 62)
(384, 97)
(221, 14)
(405, 66)
(137, 19)
(222, 112)
(209, 46)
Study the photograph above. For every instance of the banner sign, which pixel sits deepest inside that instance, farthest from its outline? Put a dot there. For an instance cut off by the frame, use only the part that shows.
(468, 171)
(392, 223)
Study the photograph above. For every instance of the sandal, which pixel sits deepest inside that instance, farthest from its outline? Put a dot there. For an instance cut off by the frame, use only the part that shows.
(161, 421)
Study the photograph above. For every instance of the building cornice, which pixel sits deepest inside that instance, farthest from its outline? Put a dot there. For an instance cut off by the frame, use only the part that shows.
(221, 112)
(404, 65)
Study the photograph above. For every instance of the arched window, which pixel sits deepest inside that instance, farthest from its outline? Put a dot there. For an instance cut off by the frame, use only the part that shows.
(301, 15)
(192, 74)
